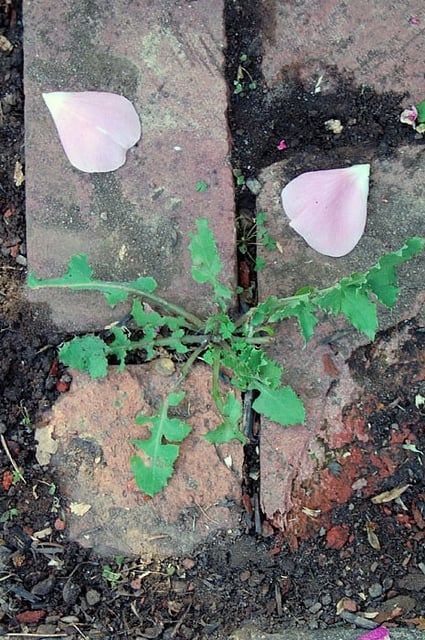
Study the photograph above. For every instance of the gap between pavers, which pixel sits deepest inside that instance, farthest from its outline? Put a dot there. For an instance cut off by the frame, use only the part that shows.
(294, 460)
(167, 58)
(90, 428)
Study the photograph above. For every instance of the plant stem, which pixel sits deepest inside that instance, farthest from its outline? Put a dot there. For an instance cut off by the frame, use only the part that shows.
(193, 321)
(215, 392)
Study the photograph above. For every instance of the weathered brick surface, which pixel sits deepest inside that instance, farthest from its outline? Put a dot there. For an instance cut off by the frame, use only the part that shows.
(92, 425)
(167, 58)
(372, 40)
(379, 46)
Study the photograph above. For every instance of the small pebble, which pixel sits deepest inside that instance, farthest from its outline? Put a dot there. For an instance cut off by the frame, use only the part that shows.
(254, 185)
(43, 587)
(387, 583)
(188, 563)
(375, 590)
(359, 621)
(317, 606)
(69, 619)
(92, 597)
(46, 629)
(21, 260)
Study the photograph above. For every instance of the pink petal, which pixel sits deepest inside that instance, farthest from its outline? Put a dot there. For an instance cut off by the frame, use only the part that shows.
(328, 208)
(380, 633)
(96, 129)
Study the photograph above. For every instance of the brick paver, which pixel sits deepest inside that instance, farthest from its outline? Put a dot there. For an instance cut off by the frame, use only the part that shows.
(380, 46)
(167, 58)
(92, 425)
(377, 42)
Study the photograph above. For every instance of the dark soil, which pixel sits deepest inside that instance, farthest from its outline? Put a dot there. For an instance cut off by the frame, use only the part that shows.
(48, 584)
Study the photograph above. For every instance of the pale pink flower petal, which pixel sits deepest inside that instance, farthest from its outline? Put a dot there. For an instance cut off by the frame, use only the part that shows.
(96, 128)
(380, 633)
(282, 145)
(328, 208)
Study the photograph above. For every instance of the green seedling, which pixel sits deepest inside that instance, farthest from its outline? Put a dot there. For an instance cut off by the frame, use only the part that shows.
(201, 186)
(254, 234)
(16, 477)
(9, 514)
(243, 77)
(26, 420)
(223, 340)
(113, 577)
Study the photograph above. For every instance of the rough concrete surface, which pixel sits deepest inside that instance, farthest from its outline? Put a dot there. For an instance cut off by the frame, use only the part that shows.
(167, 58)
(92, 426)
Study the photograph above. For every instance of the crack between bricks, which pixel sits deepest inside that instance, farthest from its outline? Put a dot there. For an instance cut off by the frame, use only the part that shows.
(247, 20)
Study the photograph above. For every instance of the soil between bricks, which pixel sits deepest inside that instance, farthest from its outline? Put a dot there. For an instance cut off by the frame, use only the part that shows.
(56, 585)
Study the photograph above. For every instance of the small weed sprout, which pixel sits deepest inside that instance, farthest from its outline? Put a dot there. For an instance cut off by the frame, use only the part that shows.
(113, 577)
(243, 77)
(201, 186)
(9, 514)
(254, 233)
(16, 477)
(222, 340)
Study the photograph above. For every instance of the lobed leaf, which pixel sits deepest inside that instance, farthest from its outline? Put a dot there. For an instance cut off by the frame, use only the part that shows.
(120, 346)
(281, 405)
(78, 277)
(153, 472)
(355, 304)
(382, 278)
(229, 429)
(206, 263)
(86, 353)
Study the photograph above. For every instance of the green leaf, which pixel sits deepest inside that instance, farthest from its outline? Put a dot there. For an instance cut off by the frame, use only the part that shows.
(206, 263)
(150, 318)
(220, 324)
(229, 429)
(421, 111)
(201, 186)
(86, 353)
(304, 310)
(259, 263)
(355, 304)
(382, 278)
(281, 405)
(78, 277)
(153, 472)
(248, 362)
(78, 271)
(120, 346)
